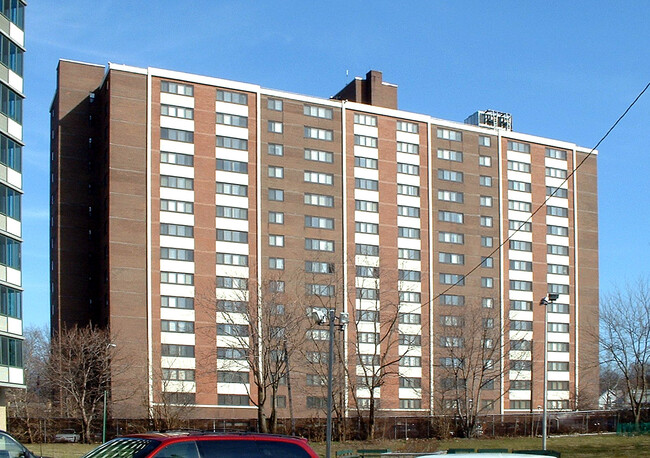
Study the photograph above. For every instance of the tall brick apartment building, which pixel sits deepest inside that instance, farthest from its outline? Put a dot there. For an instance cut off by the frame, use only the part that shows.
(180, 202)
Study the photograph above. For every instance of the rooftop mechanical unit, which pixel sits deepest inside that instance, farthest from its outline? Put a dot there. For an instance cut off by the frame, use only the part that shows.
(491, 118)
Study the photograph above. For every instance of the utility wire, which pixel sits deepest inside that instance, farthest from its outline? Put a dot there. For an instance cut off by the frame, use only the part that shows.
(529, 219)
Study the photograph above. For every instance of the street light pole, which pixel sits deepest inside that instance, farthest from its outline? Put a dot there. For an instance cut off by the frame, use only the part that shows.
(104, 422)
(552, 297)
(330, 370)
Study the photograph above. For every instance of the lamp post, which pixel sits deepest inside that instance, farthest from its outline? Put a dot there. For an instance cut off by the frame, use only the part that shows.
(329, 318)
(549, 299)
(108, 347)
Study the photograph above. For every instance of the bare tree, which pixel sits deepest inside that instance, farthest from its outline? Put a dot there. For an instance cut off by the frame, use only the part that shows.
(470, 366)
(79, 369)
(625, 340)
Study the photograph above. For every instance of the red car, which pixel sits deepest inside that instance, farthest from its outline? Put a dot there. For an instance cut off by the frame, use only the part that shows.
(203, 445)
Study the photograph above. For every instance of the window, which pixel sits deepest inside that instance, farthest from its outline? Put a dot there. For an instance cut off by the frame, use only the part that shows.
(181, 351)
(230, 259)
(558, 366)
(521, 305)
(406, 253)
(520, 405)
(521, 345)
(318, 112)
(519, 385)
(316, 380)
(452, 135)
(452, 279)
(275, 150)
(555, 173)
(562, 193)
(409, 148)
(485, 201)
(485, 161)
(486, 221)
(525, 266)
(450, 196)
(408, 232)
(451, 237)
(558, 346)
(276, 263)
(319, 267)
(232, 306)
(409, 296)
(232, 166)
(410, 361)
(319, 245)
(276, 172)
(556, 154)
(519, 325)
(558, 327)
(410, 403)
(366, 250)
(520, 365)
(554, 385)
(231, 353)
(232, 377)
(454, 321)
(276, 195)
(408, 169)
(366, 162)
(319, 222)
(519, 147)
(410, 318)
(367, 294)
(10, 153)
(276, 286)
(363, 140)
(485, 181)
(451, 342)
(404, 126)
(318, 177)
(557, 211)
(450, 217)
(450, 175)
(487, 262)
(487, 242)
(233, 400)
(232, 143)
(368, 337)
(558, 269)
(177, 254)
(520, 186)
(452, 299)
(276, 240)
(366, 206)
(176, 112)
(412, 212)
(366, 228)
(517, 166)
(409, 275)
(451, 362)
(176, 135)
(177, 326)
(232, 97)
(276, 217)
(317, 334)
(558, 288)
(232, 282)
(484, 141)
(521, 226)
(178, 374)
(275, 127)
(560, 250)
(488, 323)
(232, 120)
(487, 282)
(448, 155)
(410, 382)
(319, 200)
(556, 307)
(176, 158)
(520, 245)
(517, 205)
(274, 104)
(176, 88)
(487, 302)
(177, 302)
(176, 182)
(408, 190)
(319, 134)
(365, 120)
(176, 230)
(451, 258)
(225, 235)
(319, 156)
(314, 402)
(520, 285)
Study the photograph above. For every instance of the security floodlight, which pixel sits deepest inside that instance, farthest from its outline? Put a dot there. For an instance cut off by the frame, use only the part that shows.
(553, 297)
(344, 318)
(319, 316)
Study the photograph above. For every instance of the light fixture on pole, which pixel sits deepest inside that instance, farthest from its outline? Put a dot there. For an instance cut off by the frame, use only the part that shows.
(549, 299)
(328, 318)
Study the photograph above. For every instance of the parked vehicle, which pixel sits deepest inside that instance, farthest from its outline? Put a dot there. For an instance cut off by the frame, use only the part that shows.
(67, 435)
(11, 448)
(203, 445)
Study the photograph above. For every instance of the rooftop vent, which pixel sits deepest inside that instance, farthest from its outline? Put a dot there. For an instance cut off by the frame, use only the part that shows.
(491, 118)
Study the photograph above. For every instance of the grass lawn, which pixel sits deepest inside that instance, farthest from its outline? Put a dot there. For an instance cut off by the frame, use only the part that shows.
(608, 445)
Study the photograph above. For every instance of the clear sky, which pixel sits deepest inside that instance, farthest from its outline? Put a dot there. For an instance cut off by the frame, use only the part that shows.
(564, 70)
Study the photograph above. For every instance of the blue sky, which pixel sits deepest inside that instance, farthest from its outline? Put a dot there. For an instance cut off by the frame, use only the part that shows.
(564, 70)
